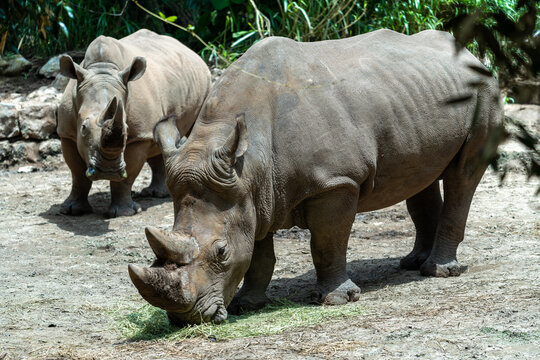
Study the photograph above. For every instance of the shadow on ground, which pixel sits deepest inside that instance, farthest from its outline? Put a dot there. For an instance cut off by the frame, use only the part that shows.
(368, 274)
(95, 224)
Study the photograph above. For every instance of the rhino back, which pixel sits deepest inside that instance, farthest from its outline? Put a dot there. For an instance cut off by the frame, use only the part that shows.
(368, 112)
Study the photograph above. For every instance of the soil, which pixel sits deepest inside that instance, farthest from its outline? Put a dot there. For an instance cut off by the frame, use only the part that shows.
(25, 84)
(64, 280)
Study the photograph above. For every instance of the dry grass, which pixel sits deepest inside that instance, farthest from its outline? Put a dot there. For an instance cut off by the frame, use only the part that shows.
(149, 322)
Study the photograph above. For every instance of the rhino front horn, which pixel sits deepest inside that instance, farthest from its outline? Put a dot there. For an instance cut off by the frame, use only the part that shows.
(140, 277)
(172, 247)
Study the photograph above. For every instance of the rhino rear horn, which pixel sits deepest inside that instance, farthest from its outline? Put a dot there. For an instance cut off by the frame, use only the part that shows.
(71, 70)
(167, 136)
(170, 247)
(114, 130)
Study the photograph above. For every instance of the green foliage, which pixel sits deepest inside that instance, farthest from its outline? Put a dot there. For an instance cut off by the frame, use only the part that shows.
(151, 323)
(47, 27)
(512, 42)
(227, 28)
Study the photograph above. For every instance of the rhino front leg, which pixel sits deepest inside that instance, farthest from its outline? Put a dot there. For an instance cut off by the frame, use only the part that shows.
(122, 203)
(77, 201)
(329, 218)
(252, 295)
(157, 187)
(425, 209)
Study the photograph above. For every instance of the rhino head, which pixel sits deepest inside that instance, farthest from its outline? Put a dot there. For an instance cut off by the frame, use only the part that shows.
(203, 259)
(99, 100)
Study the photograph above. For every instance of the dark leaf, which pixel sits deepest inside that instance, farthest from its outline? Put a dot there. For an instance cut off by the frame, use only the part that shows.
(220, 4)
(476, 84)
(527, 21)
(456, 21)
(459, 99)
(480, 69)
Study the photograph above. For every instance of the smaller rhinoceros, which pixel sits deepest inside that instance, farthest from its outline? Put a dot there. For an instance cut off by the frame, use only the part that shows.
(309, 134)
(109, 109)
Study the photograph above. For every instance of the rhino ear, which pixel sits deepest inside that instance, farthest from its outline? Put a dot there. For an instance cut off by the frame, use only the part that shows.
(71, 70)
(236, 144)
(167, 136)
(133, 71)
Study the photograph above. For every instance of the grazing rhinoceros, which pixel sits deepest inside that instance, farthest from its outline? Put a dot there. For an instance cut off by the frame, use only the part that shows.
(106, 118)
(309, 134)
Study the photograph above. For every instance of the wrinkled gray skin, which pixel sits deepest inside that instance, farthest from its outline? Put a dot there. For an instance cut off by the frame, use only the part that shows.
(108, 112)
(309, 134)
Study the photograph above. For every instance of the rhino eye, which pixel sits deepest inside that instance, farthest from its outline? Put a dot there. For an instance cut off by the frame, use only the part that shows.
(221, 250)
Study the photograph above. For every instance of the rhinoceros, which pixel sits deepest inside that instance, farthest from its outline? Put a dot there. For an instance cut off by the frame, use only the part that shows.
(109, 109)
(309, 134)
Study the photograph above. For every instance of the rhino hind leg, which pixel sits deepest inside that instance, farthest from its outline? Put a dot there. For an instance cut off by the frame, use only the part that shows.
(460, 180)
(77, 201)
(329, 218)
(252, 295)
(459, 190)
(424, 209)
(157, 187)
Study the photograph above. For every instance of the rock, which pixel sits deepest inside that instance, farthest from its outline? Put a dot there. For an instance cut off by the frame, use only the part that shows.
(60, 82)
(25, 151)
(45, 94)
(14, 65)
(37, 114)
(528, 115)
(50, 148)
(37, 120)
(526, 91)
(216, 74)
(9, 120)
(6, 151)
(51, 68)
(27, 169)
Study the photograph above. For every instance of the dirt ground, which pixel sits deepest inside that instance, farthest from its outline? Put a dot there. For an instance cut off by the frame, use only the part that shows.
(64, 278)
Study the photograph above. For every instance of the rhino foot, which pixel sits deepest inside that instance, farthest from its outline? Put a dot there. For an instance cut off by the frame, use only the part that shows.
(75, 207)
(451, 268)
(346, 292)
(244, 303)
(154, 191)
(123, 210)
(414, 260)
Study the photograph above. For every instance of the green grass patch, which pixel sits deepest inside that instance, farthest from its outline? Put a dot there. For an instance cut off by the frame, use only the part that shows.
(150, 323)
(512, 335)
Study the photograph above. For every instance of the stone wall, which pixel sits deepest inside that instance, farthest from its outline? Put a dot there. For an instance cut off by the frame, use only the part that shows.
(28, 126)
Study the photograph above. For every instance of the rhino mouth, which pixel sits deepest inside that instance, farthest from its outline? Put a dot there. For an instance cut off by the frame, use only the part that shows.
(112, 170)
(215, 313)
(94, 173)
